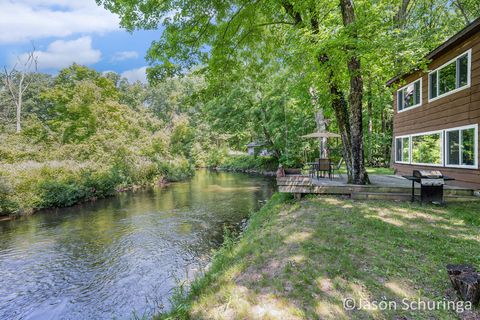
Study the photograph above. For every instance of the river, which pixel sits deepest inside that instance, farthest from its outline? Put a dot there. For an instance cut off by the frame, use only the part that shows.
(120, 257)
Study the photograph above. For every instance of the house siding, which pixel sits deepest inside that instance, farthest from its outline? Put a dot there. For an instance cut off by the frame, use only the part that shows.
(455, 110)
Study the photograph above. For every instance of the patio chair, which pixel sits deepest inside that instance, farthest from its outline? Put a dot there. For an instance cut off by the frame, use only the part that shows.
(313, 168)
(324, 166)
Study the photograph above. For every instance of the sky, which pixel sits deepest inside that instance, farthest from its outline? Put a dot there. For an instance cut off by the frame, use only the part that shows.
(68, 31)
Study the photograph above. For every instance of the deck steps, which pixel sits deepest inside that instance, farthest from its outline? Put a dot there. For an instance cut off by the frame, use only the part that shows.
(461, 198)
(381, 196)
(349, 189)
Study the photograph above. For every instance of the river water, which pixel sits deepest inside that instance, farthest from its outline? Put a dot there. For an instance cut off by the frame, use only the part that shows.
(120, 258)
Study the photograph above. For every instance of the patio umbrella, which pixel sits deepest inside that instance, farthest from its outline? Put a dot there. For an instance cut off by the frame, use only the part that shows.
(322, 135)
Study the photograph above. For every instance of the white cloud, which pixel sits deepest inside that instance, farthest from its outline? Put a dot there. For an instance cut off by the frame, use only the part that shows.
(135, 75)
(24, 20)
(61, 54)
(124, 55)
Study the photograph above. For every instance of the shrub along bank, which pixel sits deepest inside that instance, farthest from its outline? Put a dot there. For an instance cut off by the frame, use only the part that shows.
(30, 186)
(247, 163)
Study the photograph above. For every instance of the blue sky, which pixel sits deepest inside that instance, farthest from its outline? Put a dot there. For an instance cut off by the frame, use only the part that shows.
(67, 31)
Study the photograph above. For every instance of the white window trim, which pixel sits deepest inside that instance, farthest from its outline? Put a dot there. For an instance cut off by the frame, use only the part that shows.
(415, 105)
(441, 148)
(475, 165)
(469, 75)
(409, 149)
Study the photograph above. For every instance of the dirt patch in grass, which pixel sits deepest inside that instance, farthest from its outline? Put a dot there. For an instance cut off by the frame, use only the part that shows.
(301, 260)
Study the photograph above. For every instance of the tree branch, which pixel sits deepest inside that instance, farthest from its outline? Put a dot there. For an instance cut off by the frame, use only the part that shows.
(459, 5)
(297, 17)
(259, 26)
(234, 16)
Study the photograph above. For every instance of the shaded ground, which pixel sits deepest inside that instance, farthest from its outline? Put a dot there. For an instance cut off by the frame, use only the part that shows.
(371, 170)
(301, 260)
(376, 180)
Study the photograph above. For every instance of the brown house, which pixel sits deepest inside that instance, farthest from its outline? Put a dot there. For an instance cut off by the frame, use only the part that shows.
(437, 112)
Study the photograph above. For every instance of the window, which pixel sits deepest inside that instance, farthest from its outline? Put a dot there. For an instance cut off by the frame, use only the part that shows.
(427, 149)
(402, 150)
(461, 146)
(453, 147)
(451, 77)
(409, 96)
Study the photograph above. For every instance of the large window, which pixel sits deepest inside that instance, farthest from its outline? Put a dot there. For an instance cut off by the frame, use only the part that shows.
(461, 146)
(427, 149)
(450, 77)
(402, 147)
(455, 147)
(409, 96)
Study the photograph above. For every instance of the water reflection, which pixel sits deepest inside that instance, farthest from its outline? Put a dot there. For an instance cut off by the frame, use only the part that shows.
(105, 259)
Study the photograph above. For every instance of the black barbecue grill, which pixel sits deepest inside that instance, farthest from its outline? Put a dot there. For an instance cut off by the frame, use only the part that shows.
(431, 185)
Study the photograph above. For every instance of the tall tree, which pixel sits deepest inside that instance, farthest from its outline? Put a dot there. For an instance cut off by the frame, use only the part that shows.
(356, 95)
(333, 43)
(17, 81)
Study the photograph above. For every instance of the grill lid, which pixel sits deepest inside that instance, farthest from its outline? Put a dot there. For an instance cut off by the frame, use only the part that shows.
(427, 174)
(432, 182)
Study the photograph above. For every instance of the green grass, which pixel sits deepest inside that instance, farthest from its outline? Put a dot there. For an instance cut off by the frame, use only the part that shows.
(300, 260)
(370, 170)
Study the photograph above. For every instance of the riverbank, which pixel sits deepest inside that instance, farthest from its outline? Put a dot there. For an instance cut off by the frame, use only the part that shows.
(300, 260)
(250, 171)
(265, 166)
(31, 186)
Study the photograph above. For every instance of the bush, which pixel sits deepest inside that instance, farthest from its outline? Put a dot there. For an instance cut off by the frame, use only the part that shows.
(247, 162)
(61, 193)
(177, 170)
(6, 205)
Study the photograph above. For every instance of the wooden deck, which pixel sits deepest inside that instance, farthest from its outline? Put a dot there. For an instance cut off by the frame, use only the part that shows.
(382, 187)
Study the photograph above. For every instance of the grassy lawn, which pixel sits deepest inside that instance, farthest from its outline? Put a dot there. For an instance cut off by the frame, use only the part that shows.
(380, 170)
(300, 260)
(371, 170)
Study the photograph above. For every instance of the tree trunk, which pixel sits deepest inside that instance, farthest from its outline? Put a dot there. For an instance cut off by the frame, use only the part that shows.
(466, 281)
(356, 122)
(19, 112)
(339, 105)
(370, 122)
(401, 16)
(321, 127)
(355, 98)
(340, 108)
